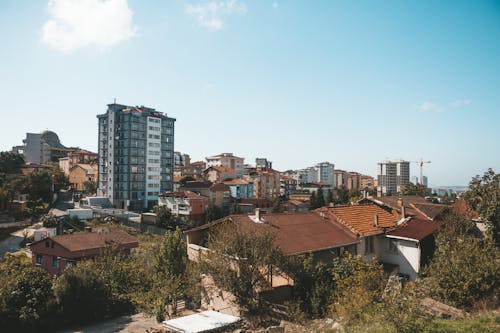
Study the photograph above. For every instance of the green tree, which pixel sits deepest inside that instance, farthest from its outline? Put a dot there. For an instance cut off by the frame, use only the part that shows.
(213, 213)
(49, 221)
(26, 299)
(235, 208)
(358, 286)
(313, 202)
(320, 198)
(39, 186)
(10, 163)
(354, 195)
(237, 260)
(313, 285)
(170, 267)
(164, 217)
(329, 196)
(90, 186)
(278, 206)
(483, 195)
(82, 294)
(464, 269)
(342, 196)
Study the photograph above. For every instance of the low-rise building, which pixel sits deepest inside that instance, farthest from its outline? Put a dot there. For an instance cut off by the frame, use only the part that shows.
(228, 160)
(240, 189)
(80, 173)
(220, 196)
(218, 174)
(54, 254)
(184, 204)
(266, 183)
(199, 187)
(80, 156)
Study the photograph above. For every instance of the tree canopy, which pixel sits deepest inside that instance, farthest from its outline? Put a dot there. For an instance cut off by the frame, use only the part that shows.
(483, 195)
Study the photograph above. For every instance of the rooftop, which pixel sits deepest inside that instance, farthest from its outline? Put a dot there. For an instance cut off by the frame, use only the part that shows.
(82, 241)
(296, 233)
(416, 229)
(361, 219)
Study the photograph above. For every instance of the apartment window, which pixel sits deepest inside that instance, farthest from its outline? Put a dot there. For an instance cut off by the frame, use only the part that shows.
(369, 245)
(55, 262)
(39, 259)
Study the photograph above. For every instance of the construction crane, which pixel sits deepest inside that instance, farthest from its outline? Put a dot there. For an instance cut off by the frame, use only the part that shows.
(421, 164)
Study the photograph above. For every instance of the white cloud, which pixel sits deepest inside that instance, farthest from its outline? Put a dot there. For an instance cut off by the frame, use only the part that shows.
(210, 14)
(275, 5)
(75, 24)
(434, 107)
(460, 102)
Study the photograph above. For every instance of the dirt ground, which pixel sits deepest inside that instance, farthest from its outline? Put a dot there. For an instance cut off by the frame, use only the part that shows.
(137, 323)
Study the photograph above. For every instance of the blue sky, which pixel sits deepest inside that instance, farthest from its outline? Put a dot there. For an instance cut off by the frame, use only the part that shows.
(298, 82)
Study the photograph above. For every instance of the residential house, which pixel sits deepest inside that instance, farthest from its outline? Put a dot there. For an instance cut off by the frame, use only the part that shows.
(288, 185)
(409, 205)
(218, 174)
(402, 243)
(193, 169)
(80, 156)
(56, 253)
(228, 160)
(184, 204)
(266, 183)
(80, 173)
(220, 196)
(295, 234)
(200, 187)
(240, 188)
(294, 205)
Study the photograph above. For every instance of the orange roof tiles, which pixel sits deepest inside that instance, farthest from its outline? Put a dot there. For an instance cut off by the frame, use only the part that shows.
(361, 218)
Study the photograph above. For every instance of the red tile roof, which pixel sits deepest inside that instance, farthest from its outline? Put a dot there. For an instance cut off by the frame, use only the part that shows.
(236, 182)
(220, 188)
(297, 232)
(361, 218)
(84, 241)
(416, 229)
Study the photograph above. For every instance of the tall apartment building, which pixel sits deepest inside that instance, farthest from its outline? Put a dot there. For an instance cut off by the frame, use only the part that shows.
(392, 175)
(228, 160)
(321, 172)
(136, 148)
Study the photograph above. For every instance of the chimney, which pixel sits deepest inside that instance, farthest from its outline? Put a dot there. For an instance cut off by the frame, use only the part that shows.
(403, 212)
(257, 214)
(375, 222)
(400, 202)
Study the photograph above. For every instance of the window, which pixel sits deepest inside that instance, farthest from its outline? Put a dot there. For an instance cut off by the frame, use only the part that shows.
(393, 246)
(39, 259)
(47, 244)
(55, 262)
(70, 263)
(368, 245)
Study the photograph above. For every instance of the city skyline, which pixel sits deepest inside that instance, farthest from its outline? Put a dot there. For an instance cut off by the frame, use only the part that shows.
(299, 84)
